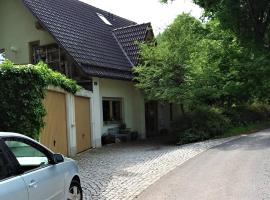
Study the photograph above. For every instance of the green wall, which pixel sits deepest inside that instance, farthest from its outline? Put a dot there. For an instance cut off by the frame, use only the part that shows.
(18, 29)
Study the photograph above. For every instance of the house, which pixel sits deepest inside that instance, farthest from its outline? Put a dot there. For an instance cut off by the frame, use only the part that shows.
(94, 47)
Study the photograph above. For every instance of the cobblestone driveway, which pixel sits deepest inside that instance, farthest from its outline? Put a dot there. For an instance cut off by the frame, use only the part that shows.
(123, 171)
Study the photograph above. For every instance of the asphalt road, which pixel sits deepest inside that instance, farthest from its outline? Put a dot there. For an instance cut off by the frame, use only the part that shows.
(239, 169)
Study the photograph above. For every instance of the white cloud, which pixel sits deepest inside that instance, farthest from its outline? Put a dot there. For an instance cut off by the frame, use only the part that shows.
(160, 15)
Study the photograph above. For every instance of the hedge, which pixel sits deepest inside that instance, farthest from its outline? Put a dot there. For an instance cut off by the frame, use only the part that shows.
(22, 90)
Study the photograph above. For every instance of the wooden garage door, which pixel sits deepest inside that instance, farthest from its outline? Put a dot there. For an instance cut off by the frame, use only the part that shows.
(83, 123)
(54, 135)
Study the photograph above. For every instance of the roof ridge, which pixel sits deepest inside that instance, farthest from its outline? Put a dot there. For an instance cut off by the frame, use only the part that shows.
(133, 25)
(123, 50)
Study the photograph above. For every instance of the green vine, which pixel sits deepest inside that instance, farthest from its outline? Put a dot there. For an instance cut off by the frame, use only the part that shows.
(22, 90)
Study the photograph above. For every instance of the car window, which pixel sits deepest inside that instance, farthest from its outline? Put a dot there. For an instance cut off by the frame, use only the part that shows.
(28, 156)
(5, 168)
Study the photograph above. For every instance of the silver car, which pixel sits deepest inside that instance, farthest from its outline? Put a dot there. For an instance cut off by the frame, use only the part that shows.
(30, 171)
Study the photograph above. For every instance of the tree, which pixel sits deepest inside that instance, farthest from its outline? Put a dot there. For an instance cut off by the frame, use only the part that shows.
(197, 63)
(248, 19)
(163, 73)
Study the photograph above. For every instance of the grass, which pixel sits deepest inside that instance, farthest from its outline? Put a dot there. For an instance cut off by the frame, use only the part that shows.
(247, 129)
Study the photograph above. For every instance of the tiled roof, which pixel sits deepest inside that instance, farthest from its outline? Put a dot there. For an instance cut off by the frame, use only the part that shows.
(77, 27)
(129, 37)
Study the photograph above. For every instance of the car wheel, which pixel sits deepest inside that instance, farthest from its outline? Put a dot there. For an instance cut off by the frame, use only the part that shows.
(75, 191)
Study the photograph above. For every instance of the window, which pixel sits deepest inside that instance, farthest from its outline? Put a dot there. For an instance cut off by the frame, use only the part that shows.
(32, 51)
(2, 55)
(5, 169)
(28, 156)
(112, 111)
(50, 54)
(104, 19)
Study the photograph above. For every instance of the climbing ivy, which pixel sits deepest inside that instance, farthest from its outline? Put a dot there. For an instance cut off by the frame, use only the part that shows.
(22, 90)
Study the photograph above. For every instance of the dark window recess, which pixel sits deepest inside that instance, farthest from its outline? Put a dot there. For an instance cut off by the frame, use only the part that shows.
(116, 110)
(106, 111)
(5, 168)
(112, 111)
(50, 54)
(87, 84)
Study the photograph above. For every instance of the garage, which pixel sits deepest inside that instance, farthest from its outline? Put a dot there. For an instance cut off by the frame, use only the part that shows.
(83, 123)
(54, 134)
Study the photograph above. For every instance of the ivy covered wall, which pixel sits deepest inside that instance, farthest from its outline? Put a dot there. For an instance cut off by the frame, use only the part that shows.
(22, 90)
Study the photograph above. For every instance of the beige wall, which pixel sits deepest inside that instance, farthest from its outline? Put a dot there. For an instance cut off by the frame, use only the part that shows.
(133, 103)
(19, 26)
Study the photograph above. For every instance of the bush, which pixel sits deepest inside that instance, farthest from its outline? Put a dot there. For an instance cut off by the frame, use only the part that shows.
(244, 115)
(200, 124)
(22, 91)
(188, 136)
(205, 123)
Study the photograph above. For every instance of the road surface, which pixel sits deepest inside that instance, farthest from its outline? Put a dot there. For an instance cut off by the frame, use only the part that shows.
(239, 169)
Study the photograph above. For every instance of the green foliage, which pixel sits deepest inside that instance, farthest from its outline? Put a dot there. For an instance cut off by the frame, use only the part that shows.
(164, 71)
(202, 64)
(246, 129)
(200, 124)
(244, 115)
(22, 91)
(206, 123)
(249, 19)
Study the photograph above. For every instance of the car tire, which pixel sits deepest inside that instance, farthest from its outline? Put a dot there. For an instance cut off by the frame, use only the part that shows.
(75, 191)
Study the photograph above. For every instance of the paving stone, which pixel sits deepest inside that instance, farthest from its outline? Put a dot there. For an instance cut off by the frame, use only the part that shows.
(123, 171)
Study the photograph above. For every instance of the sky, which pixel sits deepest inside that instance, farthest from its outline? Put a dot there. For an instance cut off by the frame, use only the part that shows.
(142, 11)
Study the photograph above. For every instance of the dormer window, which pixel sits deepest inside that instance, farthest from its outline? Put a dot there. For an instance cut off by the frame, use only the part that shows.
(104, 19)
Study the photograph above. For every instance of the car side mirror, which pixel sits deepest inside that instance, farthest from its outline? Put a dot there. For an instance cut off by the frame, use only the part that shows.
(58, 158)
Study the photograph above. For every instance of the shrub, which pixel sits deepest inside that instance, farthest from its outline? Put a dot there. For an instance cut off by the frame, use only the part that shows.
(22, 91)
(244, 115)
(200, 124)
(188, 136)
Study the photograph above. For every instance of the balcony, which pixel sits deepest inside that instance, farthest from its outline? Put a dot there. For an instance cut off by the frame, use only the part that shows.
(52, 55)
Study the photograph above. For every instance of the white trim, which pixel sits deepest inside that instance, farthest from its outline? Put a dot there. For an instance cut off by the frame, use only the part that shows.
(84, 93)
(56, 89)
(96, 114)
(71, 125)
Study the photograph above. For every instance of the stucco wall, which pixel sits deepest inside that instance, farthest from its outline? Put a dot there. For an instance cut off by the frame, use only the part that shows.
(19, 26)
(133, 103)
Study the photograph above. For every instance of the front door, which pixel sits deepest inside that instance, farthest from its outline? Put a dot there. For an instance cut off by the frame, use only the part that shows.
(151, 118)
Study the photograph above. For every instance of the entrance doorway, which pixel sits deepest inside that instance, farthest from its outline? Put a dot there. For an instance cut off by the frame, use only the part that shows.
(151, 118)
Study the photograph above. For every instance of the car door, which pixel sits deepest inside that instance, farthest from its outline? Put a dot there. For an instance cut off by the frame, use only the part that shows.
(12, 186)
(44, 180)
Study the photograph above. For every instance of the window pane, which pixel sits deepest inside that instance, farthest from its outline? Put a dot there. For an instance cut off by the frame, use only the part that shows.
(4, 167)
(106, 110)
(116, 110)
(26, 154)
